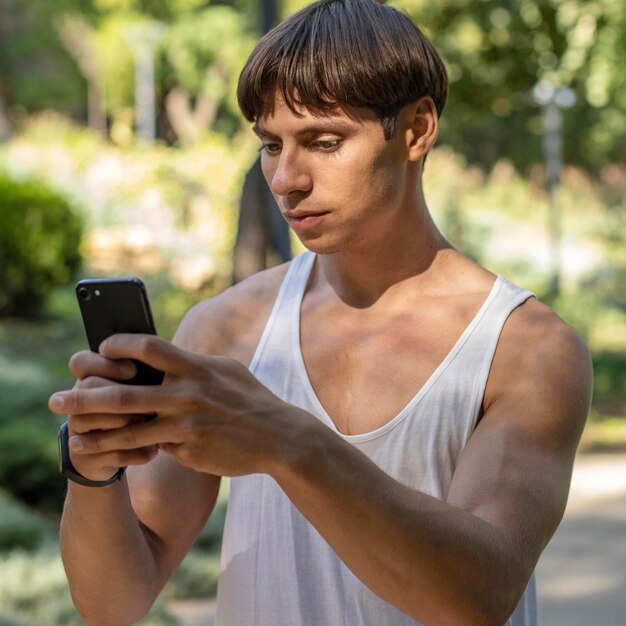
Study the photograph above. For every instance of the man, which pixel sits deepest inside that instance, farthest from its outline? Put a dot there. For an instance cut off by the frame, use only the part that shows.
(401, 423)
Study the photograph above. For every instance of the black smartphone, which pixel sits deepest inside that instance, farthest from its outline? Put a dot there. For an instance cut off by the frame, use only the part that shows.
(117, 305)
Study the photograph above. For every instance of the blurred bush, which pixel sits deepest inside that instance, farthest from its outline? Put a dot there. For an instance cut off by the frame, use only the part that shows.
(196, 576)
(39, 244)
(34, 592)
(154, 211)
(29, 467)
(609, 369)
(20, 527)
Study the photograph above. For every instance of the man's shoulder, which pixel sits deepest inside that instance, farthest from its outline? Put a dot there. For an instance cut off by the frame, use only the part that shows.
(535, 324)
(536, 348)
(232, 322)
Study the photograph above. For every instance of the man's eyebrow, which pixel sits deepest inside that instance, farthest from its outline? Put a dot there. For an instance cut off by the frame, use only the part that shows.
(323, 126)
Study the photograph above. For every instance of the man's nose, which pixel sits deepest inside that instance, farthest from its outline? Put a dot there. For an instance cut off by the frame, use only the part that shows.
(289, 175)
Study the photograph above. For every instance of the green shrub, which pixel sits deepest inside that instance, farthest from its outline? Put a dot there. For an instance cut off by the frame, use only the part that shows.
(34, 592)
(29, 467)
(39, 244)
(34, 588)
(19, 527)
(196, 576)
(210, 539)
(609, 373)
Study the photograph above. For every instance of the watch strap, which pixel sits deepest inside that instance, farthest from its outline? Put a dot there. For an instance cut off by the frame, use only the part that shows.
(69, 471)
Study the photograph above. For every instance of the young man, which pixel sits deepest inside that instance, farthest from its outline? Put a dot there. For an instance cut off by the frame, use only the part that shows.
(401, 423)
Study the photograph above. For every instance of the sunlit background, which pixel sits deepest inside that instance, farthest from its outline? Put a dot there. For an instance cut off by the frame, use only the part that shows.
(122, 151)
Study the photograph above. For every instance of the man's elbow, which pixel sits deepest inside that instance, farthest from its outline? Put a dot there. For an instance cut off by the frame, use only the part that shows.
(492, 607)
(111, 613)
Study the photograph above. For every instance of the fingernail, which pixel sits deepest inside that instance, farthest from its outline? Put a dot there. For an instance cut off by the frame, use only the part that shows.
(57, 402)
(76, 443)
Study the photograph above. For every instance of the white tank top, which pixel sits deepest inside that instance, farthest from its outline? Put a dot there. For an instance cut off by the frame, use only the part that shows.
(276, 569)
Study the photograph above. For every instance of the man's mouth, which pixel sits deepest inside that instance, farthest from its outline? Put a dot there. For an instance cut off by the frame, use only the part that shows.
(301, 220)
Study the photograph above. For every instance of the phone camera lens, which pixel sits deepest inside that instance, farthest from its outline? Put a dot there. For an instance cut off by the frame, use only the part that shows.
(84, 293)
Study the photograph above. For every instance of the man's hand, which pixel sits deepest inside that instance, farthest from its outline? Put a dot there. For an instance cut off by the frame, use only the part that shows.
(93, 371)
(212, 414)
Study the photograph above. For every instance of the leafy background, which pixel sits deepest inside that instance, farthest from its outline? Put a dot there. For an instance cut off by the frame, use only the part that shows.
(168, 210)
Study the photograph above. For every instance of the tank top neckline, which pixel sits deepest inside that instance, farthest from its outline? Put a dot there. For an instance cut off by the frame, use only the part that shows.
(302, 273)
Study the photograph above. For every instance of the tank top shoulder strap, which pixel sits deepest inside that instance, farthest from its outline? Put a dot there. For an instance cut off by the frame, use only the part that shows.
(472, 362)
(285, 311)
(504, 299)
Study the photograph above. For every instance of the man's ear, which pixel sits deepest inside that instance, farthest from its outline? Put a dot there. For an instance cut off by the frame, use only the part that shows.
(422, 127)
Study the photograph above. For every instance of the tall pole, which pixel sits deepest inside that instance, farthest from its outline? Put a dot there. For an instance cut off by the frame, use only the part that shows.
(143, 40)
(269, 14)
(552, 100)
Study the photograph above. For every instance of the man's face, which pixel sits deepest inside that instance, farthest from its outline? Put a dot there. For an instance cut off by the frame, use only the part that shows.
(336, 179)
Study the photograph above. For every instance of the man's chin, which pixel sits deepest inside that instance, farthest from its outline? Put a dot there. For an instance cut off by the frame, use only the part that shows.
(317, 245)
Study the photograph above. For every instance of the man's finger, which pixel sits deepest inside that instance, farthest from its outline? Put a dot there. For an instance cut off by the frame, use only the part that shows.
(80, 424)
(131, 437)
(116, 398)
(117, 458)
(87, 364)
(149, 349)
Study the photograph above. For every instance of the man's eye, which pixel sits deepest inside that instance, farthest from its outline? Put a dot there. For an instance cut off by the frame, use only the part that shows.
(270, 148)
(328, 145)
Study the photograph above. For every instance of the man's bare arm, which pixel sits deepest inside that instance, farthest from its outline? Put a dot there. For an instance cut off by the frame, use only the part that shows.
(121, 544)
(467, 560)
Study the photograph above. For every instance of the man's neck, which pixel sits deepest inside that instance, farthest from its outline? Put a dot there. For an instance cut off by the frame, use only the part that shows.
(361, 275)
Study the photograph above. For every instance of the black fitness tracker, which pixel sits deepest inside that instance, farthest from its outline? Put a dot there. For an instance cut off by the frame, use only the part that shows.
(69, 471)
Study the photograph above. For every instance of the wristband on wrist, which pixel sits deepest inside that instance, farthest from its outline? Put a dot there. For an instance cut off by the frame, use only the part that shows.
(69, 471)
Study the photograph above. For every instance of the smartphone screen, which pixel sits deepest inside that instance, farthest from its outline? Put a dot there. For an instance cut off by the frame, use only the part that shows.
(117, 305)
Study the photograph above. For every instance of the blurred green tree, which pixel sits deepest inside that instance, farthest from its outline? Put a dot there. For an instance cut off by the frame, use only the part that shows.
(496, 52)
(35, 71)
(205, 52)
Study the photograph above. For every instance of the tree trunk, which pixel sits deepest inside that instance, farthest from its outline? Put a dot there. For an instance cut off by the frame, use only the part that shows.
(5, 125)
(77, 37)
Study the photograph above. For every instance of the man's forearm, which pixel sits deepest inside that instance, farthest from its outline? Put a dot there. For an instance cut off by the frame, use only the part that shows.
(108, 556)
(432, 560)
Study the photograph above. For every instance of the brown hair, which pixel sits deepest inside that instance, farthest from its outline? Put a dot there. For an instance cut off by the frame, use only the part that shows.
(348, 53)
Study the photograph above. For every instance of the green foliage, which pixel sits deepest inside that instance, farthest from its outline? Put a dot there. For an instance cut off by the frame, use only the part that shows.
(33, 364)
(179, 203)
(29, 466)
(497, 53)
(210, 538)
(116, 63)
(206, 51)
(196, 577)
(35, 588)
(39, 244)
(20, 527)
(158, 9)
(604, 434)
(609, 372)
(34, 69)
(34, 592)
